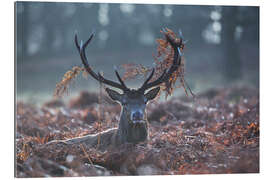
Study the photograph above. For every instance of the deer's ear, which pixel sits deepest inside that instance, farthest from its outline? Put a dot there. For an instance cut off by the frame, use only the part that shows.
(114, 95)
(152, 93)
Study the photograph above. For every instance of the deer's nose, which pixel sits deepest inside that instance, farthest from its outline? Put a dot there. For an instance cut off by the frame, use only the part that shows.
(137, 115)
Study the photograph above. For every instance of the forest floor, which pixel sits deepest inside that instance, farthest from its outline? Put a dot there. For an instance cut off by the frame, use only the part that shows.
(218, 132)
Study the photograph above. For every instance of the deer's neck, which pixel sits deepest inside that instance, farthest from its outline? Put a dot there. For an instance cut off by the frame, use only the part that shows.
(129, 132)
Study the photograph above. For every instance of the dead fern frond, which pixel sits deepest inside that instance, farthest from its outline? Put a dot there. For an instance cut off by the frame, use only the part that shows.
(62, 86)
(25, 153)
(163, 60)
(133, 70)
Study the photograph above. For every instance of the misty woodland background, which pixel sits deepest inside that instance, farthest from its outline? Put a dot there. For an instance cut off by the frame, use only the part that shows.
(216, 132)
(222, 48)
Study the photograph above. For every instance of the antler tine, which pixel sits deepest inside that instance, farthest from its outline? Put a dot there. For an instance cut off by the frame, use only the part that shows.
(158, 81)
(98, 77)
(149, 77)
(76, 42)
(120, 79)
(176, 62)
(166, 74)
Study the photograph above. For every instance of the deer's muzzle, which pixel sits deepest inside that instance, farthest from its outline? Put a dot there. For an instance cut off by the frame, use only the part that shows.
(137, 117)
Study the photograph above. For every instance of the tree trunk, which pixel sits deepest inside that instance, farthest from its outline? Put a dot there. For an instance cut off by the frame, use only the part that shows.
(232, 63)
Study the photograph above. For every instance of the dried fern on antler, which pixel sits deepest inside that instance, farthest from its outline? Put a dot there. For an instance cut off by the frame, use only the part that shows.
(162, 61)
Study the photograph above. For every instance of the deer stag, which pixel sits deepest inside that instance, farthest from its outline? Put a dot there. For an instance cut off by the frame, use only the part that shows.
(133, 125)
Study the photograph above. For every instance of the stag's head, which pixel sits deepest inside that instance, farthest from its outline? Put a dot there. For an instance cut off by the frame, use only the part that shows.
(133, 103)
(133, 124)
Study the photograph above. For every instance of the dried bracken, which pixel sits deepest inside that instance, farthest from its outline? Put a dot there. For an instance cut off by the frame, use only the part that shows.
(162, 61)
(134, 70)
(217, 134)
(69, 76)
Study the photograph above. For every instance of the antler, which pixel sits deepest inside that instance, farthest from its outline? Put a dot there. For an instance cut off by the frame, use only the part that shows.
(165, 76)
(98, 77)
